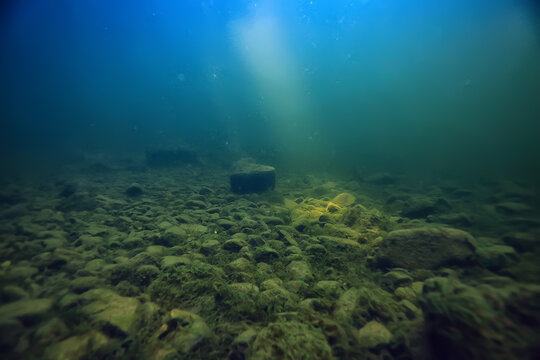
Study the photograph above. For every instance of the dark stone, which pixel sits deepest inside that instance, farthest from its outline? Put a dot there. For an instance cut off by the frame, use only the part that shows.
(425, 248)
(252, 178)
(166, 158)
(67, 191)
(134, 190)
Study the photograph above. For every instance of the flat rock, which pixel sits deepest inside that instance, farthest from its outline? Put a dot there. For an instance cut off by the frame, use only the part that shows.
(77, 347)
(26, 310)
(107, 306)
(249, 177)
(425, 248)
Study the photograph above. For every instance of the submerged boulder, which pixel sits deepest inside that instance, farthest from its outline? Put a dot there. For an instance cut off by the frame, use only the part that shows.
(425, 248)
(249, 177)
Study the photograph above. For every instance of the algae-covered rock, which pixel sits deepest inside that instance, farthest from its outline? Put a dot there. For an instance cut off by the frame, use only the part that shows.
(290, 341)
(300, 270)
(466, 322)
(28, 311)
(77, 346)
(106, 306)
(374, 334)
(181, 333)
(496, 257)
(266, 254)
(428, 248)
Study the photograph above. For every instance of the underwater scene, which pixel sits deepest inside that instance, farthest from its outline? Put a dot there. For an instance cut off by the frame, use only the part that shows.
(270, 179)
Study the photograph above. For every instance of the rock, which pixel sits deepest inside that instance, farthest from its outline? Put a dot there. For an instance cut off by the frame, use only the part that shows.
(427, 248)
(496, 257)
(28, 311)
(51, 331)
(291, 340)
(346, 305)
(395, 278)
(226, 224)
(77, 347)
(84, 283)
(405, 293)
(234, 244)
(245, 289)
(274, 283)
(104, 305)
(170, 157)
(374, 334)
(134, 190)
(344, 200)
(209, 247)
(410, 310)
(513, 208)
(266, 254)
(174, 235)
(300, 270)
(11, 331)
(287, 238)
(329, 289)
(522, 241)
(145, 274)
(240, 265)
(11, 293)
(421, 207)
(172, 261)
(480, 315)
(179, 335)
(196, 204)
(78, 202)
(249, 177)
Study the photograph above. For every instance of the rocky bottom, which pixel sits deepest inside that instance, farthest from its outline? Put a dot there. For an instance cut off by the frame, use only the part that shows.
(120, 263)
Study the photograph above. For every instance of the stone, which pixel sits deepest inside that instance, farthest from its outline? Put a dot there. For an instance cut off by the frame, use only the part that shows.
(134, 190)
(174, 235)
(496, 257)
(104, 305)
(51, 331)
(11, 293)
(226, 224)
(344, 200)
(172, 261)
(84, 283)
(77, 347)
(291, 340)
(28, 311)
(374, 334)
(249, 177)
(209, 247)
(240, 265)
(425, 248)
(179, 335)
(245, 289)
(330, 289)
(234, 245)
(266, 254)
(522, 241)
(11, 331)
(513, 208)
(300, 270)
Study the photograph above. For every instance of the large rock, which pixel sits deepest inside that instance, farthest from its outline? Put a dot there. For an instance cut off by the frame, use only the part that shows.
(249, 177)
(27, 311)
(104, 305)
(181, 333)
(425, 248)
(77, 346)
(373, 334)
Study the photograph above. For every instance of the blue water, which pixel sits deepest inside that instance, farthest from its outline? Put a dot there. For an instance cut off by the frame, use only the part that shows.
(450, 86)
